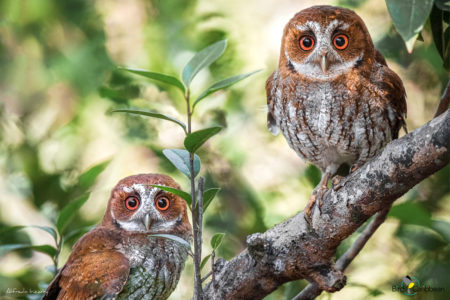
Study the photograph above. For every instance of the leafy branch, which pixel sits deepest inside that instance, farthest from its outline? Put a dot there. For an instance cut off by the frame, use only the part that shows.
(186, 160)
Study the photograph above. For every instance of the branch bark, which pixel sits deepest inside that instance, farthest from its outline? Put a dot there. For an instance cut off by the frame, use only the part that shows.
(294, 250)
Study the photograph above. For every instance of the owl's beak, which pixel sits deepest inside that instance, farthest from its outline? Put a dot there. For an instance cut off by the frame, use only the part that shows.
(324, 63)
(147, 222)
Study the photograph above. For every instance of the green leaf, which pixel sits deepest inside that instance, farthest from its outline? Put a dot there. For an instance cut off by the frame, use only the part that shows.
(87, 179)
(173, 238)
(158, 77)
(408, 17)
(204, 261)
(216, 240)
(196, 139)
(68, 212)
(177, 192)
(202, 60)
(411, 213)
(47, 249)
(443, 228)
(222, 85)
(443, 4)
(44, 228)
(208, 196)
(180, 159)
(77, 231)
(437, 27)
(152, 114)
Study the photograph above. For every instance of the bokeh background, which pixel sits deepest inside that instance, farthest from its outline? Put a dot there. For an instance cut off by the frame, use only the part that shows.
(58, 80)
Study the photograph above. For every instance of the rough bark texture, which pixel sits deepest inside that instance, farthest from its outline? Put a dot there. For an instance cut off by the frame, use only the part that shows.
(294, 250)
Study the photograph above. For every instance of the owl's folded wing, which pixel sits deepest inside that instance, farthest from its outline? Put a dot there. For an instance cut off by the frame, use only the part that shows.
(90, 276)
(395, 95)
(94, 270)
(271, 122)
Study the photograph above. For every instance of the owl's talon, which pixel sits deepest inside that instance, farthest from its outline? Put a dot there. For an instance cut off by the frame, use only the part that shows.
(336, 182)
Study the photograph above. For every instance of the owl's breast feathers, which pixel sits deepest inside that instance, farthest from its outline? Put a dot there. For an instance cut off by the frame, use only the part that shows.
(341, 120)
(99, 267)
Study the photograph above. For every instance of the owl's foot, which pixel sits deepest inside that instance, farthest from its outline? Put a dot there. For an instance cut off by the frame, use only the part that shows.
(336, 182)
(355, 166)
(316, 196)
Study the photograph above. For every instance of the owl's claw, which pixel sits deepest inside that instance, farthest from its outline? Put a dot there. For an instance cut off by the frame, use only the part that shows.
(316, 196)
(336, 182)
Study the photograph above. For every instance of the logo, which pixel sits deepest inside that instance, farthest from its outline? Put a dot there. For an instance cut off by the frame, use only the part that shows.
(410, 286)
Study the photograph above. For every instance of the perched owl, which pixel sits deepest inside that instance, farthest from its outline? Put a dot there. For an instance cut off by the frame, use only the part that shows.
(333, 97)
(118, 259)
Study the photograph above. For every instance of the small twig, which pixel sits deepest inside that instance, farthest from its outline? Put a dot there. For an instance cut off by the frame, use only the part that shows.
(445, 101)
(312, 290)
(213, 254)
(206, 276)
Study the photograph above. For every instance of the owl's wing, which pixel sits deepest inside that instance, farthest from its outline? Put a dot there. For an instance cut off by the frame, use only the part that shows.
(395, 95)
(271, 122)
(94, 270)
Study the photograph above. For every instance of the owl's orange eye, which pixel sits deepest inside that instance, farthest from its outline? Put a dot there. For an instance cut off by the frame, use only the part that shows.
(162, 203)
(306, 42)
(340, 41)
(132, 203)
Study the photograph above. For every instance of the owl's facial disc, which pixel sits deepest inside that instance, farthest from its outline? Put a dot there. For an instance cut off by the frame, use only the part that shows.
(321, 51)
(146, 210)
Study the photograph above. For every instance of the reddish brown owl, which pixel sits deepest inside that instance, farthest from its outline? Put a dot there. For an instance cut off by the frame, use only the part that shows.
(333, 97)
(118, 259)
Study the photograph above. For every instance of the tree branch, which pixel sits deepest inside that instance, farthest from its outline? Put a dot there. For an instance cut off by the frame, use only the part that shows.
(312, 290)
(445, 101)
(294, 250)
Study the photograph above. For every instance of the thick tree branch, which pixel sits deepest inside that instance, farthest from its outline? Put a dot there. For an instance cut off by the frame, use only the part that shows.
(294, 250)
(313, 290)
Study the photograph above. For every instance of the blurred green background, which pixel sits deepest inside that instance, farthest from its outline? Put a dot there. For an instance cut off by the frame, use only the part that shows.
(58, 81)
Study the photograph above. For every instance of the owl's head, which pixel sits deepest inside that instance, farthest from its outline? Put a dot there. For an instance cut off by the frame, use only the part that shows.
(137, 206)
(323, 42)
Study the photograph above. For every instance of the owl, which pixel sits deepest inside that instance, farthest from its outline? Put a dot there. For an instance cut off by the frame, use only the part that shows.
(333, 96)
(119, 259)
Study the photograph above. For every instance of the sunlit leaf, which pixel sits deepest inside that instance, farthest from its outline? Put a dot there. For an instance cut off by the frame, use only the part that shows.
(152, 114)
(67, 213)
(408, 17)
(177, 192)
(204, 261)
(47, 249)
(158, 77)
(181, 160)
(216, 240)
(196, 139)
(208, 196)
(222, 85)
(173, 238)
(202, 60)
(87, 179)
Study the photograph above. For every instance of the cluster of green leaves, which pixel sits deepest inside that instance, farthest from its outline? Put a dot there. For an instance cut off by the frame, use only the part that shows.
(410, 16)
(186, 160)
(59, 232)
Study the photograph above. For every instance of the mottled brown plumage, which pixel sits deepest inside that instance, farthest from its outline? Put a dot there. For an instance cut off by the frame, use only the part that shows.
(118, 259)
(333, 96)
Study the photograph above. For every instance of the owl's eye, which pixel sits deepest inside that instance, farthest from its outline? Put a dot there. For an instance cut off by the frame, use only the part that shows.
(306, 42)
(132, 203)
(162, 203)
(340, 41)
